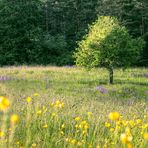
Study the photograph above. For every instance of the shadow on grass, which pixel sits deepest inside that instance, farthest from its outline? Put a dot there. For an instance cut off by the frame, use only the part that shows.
(130, 82)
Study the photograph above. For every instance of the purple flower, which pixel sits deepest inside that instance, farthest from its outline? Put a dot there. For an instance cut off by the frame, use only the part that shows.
(5, 78)
(69, 66)
(102, 89)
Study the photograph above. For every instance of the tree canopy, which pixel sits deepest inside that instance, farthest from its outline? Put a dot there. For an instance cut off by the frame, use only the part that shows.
(28, 26)
(108, 44)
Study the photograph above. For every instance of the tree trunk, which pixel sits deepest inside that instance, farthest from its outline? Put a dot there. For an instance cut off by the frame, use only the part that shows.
(111, 74)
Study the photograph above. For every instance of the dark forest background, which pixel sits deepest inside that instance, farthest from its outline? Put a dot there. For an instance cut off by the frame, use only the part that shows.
(47, 31)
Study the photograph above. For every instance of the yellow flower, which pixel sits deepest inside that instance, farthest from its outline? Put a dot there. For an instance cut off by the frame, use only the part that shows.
(62, 132)
(53, 114)
(132, 123)
(63, 125)
(112, 129)
(52, 104)
(145, 136)
(1, 134)
(36, 94)
(98, 146)
(45, 126)
(67, 139)
(17, 142)
(28, 99)
(14, 119)
(61, 105)
(139, 121)
(89, 146)
(107, 124)
(73, 141)
(4, 103)
(128, 131)
(57, 102)
(114, 116)
(129, 145)
(89, 114)
(39, 112)
(34, 145)
(79, 143)
(77, 118)
(125, 138)
(86, 126)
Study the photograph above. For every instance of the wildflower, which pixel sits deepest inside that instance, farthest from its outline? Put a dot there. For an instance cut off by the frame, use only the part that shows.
(139, 121)
(1, 134)
(114, 116)
(28, 99)
(118, 127)
(98, 146)
(77, 118)
(52, 104)
(67, 139)
(86, 126)
(61, 105)
(112, 129)
(89, 114)
(45, 126)
(132, 123)
(128, 131)
(36, 94)
(125, 138)
(63, 126)
(57, 102)
(79, 143)
(17, 142)
(89, 146)
(39, 112)
(76, 126)
(107, 124)
(53, 114)
(145, 136)
(4, 103)
(129, 145)
(73, 141)
(102, 89)
(62, 132)
(14, 119)
(34, 145)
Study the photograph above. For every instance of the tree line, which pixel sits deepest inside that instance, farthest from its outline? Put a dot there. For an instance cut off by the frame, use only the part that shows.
(47, 31)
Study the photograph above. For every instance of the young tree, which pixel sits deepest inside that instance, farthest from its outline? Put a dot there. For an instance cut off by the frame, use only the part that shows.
(108, 44)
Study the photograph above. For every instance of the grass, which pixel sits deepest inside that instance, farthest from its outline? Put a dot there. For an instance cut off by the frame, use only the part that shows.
(44, 122)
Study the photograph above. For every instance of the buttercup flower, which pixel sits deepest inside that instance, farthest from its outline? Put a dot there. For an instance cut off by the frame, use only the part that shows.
(114, 116)
(4, 103)
(14, 119)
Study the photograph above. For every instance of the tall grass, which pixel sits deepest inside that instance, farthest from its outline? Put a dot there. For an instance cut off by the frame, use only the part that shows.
(67, 108)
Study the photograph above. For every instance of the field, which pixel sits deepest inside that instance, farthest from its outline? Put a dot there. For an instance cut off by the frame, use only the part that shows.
(58, 107)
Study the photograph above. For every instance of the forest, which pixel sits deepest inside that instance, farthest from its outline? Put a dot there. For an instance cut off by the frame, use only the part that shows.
(46, 32)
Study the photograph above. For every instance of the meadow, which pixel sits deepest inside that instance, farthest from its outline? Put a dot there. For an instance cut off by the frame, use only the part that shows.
(69, 107)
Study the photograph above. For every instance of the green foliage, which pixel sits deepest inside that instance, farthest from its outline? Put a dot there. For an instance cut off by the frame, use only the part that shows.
(25, 25)
(20, 31)
(133, 14)
(108, 44)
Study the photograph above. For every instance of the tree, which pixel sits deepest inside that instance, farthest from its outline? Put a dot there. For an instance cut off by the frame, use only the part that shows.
(20, 31)
(133, 14)
(108, 44)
